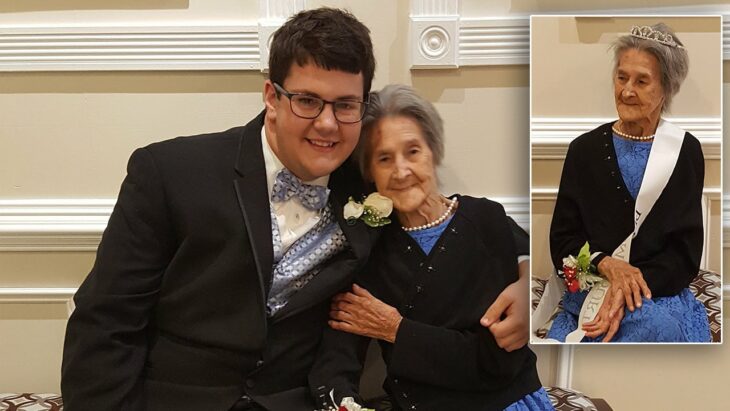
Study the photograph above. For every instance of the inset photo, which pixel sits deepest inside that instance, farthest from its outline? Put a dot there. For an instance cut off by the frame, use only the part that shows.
(626, 186)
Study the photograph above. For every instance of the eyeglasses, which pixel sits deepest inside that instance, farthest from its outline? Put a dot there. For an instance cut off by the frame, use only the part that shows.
(309, 107)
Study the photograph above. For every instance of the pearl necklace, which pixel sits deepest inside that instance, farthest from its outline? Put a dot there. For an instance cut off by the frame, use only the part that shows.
(629, 136)
(435, 222)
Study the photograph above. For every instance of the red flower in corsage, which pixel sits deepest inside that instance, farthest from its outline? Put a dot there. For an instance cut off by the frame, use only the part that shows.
(580, 274)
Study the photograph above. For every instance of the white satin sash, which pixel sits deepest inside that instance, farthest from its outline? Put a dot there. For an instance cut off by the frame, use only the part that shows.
(659, 167)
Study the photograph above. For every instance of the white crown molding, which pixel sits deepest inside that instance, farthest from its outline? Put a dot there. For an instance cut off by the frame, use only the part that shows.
(551, 193)
(435, 7)
(139, 47)
(550, 136)
(501, 40)
(53, 224)
(434, 32)
(494, 41)
(77, 224)
(180, 46)
(440, 37)
(37, 295)
(516, 207)
(273, 13)
(279, 10)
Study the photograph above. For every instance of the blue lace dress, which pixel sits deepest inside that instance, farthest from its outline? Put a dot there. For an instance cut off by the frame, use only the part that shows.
(680, 318)
(535, 401)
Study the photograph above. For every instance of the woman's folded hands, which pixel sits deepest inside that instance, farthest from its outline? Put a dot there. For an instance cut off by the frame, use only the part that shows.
(608, 319)
(626, 279)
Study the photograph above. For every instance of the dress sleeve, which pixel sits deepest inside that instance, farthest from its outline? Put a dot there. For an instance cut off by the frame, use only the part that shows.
(457, 359)
(567, 233)
(106, 344)
(676, 263)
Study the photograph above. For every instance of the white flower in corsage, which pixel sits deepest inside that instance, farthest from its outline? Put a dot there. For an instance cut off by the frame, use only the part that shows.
(347, 404)
(374, 211)
(579, 273)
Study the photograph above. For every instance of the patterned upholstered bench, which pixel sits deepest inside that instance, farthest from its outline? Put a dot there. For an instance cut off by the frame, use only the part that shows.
(30, 402)
(562, 399)
(706, 286)
(571, 400)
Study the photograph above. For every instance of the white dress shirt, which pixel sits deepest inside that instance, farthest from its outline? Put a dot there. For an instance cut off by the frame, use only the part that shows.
(293, 218)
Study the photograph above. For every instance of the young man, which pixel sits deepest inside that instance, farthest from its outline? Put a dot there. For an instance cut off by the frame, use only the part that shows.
(213, 279)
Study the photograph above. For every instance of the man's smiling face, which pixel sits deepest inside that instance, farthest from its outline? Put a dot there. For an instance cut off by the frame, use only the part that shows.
(312, 148)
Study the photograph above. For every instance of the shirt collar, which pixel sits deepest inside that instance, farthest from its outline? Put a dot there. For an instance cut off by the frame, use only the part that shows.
(274, 165)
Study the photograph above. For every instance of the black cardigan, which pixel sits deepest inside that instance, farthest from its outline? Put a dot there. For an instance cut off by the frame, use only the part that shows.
(442, 358)
(594, 205)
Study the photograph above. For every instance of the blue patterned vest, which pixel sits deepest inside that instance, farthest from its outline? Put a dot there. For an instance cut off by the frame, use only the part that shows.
(294, 268)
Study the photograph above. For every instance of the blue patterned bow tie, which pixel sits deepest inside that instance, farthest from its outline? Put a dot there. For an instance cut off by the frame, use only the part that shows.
(288, 185)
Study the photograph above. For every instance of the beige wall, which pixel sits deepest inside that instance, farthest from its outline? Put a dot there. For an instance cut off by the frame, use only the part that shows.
(133, 11)
(68, 135)
(571, 65)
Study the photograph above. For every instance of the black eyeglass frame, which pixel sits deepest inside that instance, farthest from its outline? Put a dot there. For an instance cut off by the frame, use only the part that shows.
(289, 95)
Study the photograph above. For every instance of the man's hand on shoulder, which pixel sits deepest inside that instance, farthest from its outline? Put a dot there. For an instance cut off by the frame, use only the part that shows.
(512, 332)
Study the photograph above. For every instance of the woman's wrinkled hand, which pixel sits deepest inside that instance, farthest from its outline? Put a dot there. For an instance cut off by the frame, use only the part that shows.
(359, 312)
(609, 316)
(626, 278)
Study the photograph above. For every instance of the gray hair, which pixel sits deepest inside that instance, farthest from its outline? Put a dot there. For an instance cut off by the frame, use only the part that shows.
(400, 100)
(673, 61)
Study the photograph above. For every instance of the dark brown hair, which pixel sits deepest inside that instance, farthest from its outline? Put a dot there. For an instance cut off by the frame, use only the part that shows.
(332, 39)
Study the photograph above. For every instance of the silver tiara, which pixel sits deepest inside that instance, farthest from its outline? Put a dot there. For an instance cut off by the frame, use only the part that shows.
(648, 33)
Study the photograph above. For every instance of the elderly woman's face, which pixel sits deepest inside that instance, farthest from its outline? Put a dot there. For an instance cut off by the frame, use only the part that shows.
(638, 87)
(401, 163)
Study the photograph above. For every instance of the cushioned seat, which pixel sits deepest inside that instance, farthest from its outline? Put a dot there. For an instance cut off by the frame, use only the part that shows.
(570, 400)
(30, 402)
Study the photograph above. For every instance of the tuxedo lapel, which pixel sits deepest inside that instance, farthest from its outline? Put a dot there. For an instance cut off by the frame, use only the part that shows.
(346, 183)
(340, 269)
(253, 198)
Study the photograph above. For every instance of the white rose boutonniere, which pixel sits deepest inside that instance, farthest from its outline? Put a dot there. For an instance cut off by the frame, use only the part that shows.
(353, 209)
(373, 211)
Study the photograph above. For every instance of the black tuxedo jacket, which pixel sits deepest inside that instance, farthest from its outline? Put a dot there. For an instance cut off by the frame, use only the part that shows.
(172, 315)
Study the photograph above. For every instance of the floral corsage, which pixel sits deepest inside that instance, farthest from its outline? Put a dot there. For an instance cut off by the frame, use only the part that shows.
(347, 404)
(373, 211)
(580, 274)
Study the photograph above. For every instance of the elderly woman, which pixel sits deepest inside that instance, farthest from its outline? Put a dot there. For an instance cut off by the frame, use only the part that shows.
(632, 189)
(436, 268)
